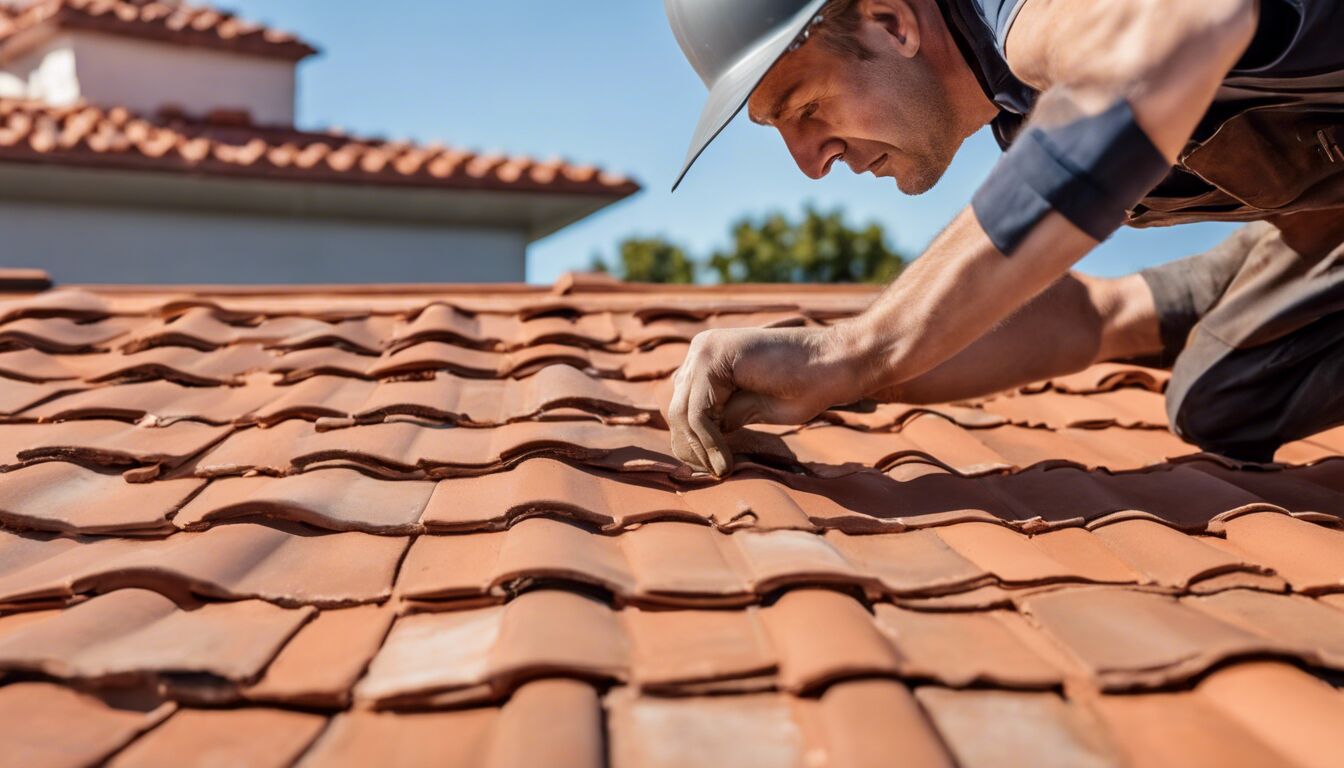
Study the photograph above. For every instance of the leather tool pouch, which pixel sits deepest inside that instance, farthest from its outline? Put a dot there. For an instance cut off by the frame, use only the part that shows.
(1276, 157)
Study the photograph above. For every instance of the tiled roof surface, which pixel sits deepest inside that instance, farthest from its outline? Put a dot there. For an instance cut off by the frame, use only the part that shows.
(443, 527)
(168, 21)
(90, 136)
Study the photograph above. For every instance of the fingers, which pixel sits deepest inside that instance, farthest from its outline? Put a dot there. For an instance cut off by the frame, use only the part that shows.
(684, 444)
(702, 385)
(702, 416)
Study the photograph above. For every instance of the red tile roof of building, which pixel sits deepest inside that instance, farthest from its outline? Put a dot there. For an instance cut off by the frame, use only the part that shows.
(167, 21)
(442, 524)
(228, 145)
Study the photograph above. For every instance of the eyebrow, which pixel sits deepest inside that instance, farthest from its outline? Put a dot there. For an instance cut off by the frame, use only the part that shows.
(778, 108)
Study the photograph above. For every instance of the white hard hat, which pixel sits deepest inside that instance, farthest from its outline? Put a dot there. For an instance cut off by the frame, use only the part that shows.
(732, 44)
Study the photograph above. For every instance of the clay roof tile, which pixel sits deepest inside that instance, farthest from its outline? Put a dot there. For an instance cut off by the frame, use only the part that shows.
(83, 135)
(447, 519)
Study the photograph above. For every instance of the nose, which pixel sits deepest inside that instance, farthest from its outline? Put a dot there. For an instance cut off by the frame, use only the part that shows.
(815, 151)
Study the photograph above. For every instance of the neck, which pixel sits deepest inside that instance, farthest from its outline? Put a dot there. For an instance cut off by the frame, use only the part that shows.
(974, 109)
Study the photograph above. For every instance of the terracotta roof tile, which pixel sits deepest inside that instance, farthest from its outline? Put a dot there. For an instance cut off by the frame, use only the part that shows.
(549, 722)
(94, 137)
(1106, 377)
(1295, 714)
(820, 450)
(30, 365)
(23, 280)
(443, 397)
(334, 499)
(457, 656)
(51, 725)
(960, 649)
(160, 403)
(20, 396)
(1166, 556)
(229, 561)
(106, 443)
(676, 563)
(132, 632)
(655, 363)
(1266, 582)
(1182, 729)
(1018, 559)
(1310, 557)
(154, 20)
(405, 448)
(1038, 729)
(275, 737)
(59, 334)
(59, 302)
(443, 525)
(1125, 407)
(199, 328)
(56, 496)
(1161, 640)
(181, 365)
(1310, 627)
(320, 665)
(860, 723)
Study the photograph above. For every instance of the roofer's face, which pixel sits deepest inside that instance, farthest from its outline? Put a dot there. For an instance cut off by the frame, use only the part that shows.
(890, 115)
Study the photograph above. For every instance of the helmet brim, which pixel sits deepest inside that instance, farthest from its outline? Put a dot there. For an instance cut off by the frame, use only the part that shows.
(730, 92)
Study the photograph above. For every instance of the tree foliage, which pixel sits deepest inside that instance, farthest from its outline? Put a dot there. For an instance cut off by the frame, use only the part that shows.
(650, 260)
(816, 248)
(819, 248)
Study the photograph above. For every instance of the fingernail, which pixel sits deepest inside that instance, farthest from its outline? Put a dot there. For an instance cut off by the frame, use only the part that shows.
(720, 463)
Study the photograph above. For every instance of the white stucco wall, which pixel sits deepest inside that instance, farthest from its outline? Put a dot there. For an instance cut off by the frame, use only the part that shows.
(45, 72)
(145, 75)
(96, 244)
(12, 86)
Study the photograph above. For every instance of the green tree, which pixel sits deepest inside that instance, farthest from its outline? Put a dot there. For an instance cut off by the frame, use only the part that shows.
(650, 260)
(821, 248)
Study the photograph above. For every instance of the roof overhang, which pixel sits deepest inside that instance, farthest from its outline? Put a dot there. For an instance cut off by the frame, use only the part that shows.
(21, 29)
(538, 214)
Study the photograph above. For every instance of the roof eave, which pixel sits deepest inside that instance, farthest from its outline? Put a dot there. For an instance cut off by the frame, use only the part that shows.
(535, 211)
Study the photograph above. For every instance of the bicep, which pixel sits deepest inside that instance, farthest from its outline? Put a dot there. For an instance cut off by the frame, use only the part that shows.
(1165, 57)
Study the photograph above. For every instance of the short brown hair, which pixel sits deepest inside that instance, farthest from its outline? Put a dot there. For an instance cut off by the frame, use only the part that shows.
(839, 28)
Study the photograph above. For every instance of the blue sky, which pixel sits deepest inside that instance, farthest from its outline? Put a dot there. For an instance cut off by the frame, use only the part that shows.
(603, 81)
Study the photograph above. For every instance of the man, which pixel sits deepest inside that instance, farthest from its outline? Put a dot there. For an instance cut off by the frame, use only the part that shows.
(1140, 112)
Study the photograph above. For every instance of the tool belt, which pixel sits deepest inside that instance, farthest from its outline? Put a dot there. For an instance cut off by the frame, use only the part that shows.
(1264, 160)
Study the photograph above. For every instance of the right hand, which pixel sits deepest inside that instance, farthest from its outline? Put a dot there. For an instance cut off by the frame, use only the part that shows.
(739, 376)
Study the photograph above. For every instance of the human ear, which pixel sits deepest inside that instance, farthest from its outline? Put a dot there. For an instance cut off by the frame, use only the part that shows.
(899, 20)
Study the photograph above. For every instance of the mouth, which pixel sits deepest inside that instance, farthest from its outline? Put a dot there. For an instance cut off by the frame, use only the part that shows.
(876, 165)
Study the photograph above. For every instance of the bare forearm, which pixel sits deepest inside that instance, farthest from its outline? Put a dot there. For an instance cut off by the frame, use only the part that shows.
(963, 286)
(960, 289)
(1076, 322)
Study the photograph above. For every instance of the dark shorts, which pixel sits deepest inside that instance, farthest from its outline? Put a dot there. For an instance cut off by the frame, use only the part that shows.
(1254, 333)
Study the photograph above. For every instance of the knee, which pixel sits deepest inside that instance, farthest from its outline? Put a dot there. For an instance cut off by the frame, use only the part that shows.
(1212, 412)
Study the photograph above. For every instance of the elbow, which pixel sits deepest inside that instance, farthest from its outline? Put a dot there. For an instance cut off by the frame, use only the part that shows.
(1129, 326)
